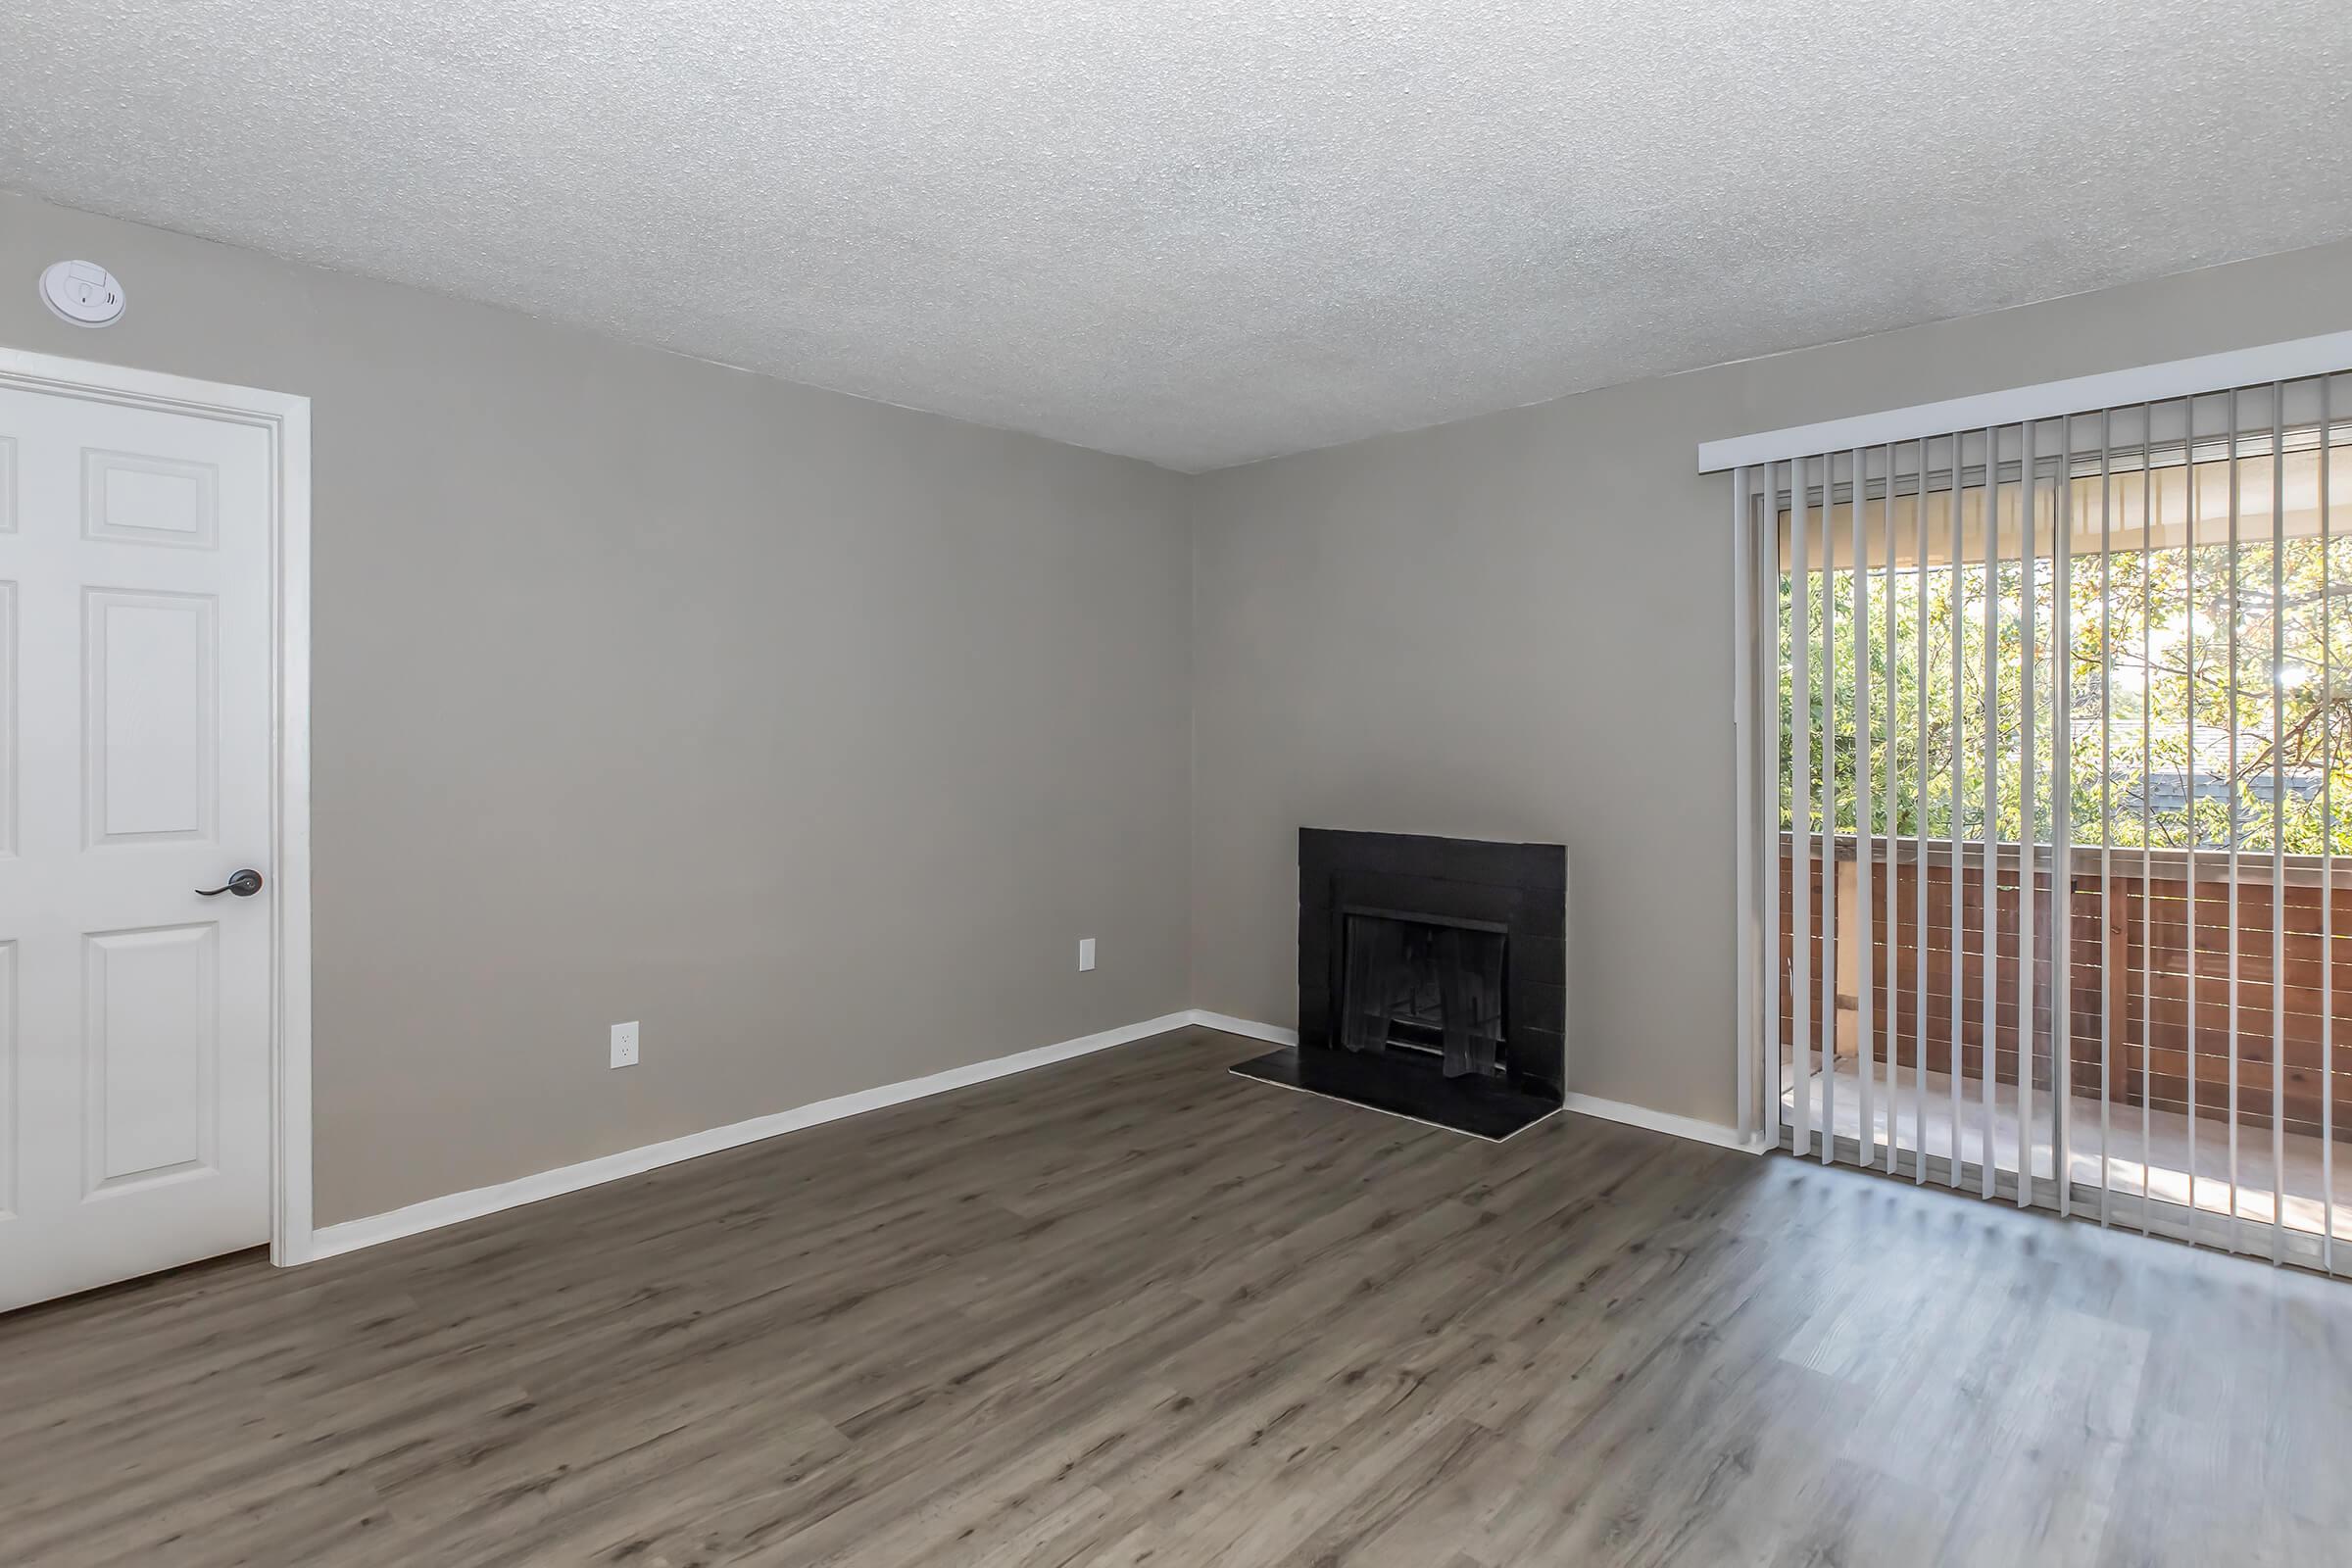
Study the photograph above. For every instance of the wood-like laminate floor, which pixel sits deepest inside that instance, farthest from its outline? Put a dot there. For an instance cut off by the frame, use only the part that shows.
(1135, 1309)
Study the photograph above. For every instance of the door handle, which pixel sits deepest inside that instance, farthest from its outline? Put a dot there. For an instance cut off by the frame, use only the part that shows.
(245, 884)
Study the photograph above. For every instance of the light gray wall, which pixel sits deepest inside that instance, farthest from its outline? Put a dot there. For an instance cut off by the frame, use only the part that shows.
(813, 733)
(810, 733)
(1517, 627)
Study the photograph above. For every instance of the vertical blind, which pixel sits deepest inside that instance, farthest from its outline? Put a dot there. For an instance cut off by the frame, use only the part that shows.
(2045, 839)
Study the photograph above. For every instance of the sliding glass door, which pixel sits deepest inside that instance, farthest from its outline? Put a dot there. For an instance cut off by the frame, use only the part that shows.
(2051, 837)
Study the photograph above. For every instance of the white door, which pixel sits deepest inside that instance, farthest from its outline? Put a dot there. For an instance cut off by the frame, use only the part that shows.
(134, 770)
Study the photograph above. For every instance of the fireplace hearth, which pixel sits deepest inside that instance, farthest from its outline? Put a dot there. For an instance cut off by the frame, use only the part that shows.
(1432, 979)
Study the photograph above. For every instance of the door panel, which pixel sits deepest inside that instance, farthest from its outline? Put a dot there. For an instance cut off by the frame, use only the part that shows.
(150, 724)
(8, 718)
(135, 743)
(8, 1141)
(147, 1028)
(147, 500)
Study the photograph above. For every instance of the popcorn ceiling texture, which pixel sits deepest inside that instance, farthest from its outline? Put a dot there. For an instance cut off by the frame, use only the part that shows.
(1204, 232)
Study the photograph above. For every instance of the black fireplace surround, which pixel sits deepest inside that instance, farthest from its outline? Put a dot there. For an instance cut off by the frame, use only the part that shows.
(1432, 978)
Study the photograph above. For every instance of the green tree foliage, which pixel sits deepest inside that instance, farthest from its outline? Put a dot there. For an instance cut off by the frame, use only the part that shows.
(2158, 624)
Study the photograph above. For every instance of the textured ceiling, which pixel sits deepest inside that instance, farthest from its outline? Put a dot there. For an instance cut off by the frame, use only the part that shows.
(1203, 231)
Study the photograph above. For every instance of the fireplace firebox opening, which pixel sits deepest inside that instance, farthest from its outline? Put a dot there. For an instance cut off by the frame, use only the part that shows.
(1413, 983)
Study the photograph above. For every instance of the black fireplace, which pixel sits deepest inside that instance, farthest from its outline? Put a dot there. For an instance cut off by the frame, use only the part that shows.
(1432, 978)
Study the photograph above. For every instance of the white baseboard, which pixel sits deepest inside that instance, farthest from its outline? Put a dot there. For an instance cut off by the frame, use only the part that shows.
(1657, 1121)
(1227, 1023)
(456, 1207)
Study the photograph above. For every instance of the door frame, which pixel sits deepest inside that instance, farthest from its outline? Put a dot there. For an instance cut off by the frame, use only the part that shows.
(285, 419)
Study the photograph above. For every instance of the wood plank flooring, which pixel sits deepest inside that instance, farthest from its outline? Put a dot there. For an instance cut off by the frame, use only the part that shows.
(1133, 1309)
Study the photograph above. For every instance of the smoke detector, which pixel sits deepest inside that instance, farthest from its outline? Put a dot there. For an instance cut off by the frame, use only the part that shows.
(82, 293)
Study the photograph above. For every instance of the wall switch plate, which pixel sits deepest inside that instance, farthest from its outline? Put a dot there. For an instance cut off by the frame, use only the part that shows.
(624, 1044)
(1086, 954)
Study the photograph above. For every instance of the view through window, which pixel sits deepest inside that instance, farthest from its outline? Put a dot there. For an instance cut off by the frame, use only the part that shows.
(2063, 783)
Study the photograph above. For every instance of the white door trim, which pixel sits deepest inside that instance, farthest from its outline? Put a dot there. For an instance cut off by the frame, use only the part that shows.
(287, 420)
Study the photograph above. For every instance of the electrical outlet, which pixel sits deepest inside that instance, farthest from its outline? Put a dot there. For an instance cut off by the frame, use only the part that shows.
(624, 1044)
(1086, 954)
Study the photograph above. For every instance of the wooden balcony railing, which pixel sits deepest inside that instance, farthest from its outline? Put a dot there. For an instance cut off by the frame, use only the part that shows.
(2136, 951)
